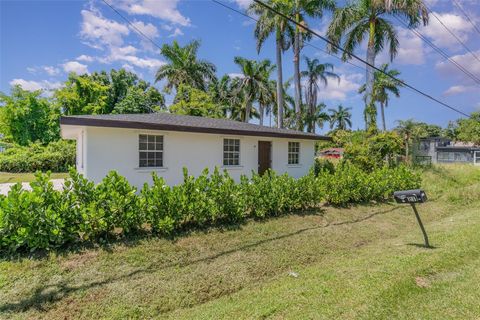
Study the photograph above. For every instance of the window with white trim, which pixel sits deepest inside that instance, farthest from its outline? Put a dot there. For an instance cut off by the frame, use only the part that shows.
(293, 152)
(150, 149)
(231, 152)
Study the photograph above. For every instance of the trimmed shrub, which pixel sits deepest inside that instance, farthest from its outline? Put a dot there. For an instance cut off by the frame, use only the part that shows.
(57, 156)
(45, 218)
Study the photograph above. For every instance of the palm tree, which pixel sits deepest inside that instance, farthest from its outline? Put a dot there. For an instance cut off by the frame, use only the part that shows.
(340, 117)
(268, 23)
(382, 85)
(266, 97)
(316, 72)
(300, 9)
(408, 129)
(253, 81)
(319, 117)
(183, 67)
(368, 17)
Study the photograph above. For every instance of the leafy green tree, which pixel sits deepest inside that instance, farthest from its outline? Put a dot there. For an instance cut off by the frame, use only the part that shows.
(253, 82)
(269, 23)
(184, 67)
(468, 130)
(104, 93)
(27, 117)
(194, 102)
(316, 73)
(341, 118)
(382, 86)
(368, 18)
(139, 101)
(408, 130)
(83, 95)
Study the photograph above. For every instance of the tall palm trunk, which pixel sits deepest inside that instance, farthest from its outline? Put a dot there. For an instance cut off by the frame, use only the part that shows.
(261, 110)
(248, 107)
(382, 110)
(296, 73)
(407, 142)
(370, 78)
(280, 102)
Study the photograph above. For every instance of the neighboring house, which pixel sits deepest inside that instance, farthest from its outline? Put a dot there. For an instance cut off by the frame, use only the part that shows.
(135, 145)
(331, 153)
(443, 150)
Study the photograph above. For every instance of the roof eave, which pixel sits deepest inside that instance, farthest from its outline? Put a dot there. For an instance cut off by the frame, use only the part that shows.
(77, 121)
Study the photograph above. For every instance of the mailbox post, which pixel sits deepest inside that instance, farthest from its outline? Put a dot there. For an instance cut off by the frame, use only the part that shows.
(412, 197)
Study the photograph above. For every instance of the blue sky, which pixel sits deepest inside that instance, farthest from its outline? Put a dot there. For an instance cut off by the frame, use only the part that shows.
(41, 41)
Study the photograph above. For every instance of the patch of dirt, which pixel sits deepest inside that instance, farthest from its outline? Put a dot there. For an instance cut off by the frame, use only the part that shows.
(422, 282)
(78, 260)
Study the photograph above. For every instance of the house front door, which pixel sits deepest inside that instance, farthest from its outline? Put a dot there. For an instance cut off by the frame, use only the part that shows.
(264, 156)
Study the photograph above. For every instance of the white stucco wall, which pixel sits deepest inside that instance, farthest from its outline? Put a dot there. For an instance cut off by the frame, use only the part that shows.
(105, 149)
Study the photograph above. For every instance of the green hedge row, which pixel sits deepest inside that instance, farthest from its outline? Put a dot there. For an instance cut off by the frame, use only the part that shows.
(57, 156)
(45, 218)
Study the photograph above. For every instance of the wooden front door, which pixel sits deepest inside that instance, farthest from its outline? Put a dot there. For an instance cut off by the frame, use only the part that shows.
(264, 156)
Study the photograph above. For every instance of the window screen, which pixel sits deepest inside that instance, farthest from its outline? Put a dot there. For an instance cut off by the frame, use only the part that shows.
(231, 152)
(293, 152)
(150, 150)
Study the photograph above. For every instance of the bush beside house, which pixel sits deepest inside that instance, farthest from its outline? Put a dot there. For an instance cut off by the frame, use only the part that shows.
(45, 218)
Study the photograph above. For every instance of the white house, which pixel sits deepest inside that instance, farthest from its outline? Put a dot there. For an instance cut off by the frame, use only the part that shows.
(135, 145)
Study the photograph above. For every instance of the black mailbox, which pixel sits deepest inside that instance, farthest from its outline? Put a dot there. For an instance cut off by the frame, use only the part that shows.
(410, 196)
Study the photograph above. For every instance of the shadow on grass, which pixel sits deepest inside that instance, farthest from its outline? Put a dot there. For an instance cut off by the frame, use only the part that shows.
(421, 245)
(53, 293)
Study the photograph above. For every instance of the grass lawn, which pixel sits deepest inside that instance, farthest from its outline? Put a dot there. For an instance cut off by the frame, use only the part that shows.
(362, 262)
(26, 177)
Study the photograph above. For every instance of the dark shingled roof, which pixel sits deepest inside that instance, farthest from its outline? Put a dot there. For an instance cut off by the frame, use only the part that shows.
(174, 122)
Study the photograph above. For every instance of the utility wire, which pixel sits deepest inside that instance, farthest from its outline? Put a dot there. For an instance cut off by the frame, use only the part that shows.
(454, 35)
(466, 15)
(441, 52)
(358, 58)
(132, 25)
(306, 42)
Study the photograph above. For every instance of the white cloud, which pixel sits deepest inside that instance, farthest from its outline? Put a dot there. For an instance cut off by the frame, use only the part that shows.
(466, 60)
(338, 90)
(51, 71)
(85, 58)
(97, 30)
(75, 66)
(176, 33)
(411, 49)
(236, 75)
(457, 89)
(243, 4)
(440, 36)
(128, 54)
(31, 85)
(147, 29)
(165, 10)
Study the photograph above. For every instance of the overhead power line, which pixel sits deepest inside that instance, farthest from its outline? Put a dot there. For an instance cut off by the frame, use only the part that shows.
(132, 25)
(441, 52)
(466, 16)
(306, 42)
(454, 35)
(359, 59)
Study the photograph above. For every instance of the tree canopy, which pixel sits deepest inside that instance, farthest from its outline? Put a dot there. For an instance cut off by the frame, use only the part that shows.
(27, 117)
(194, 102)
(119, 91)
